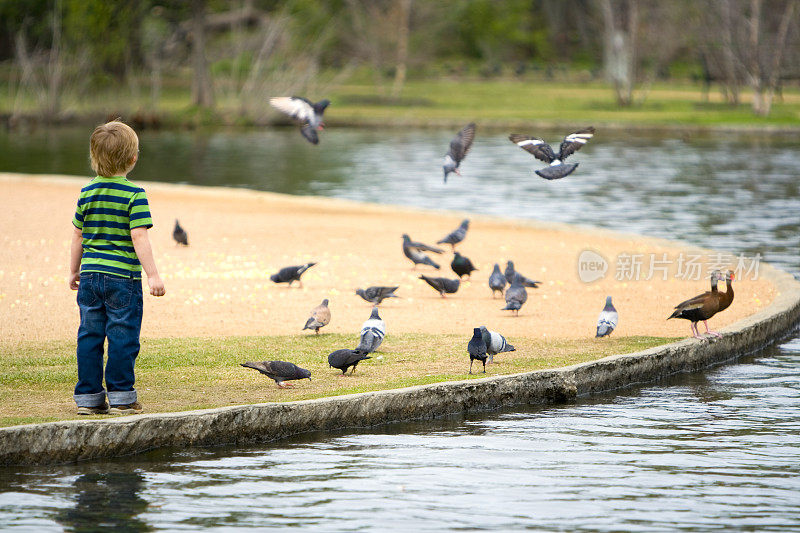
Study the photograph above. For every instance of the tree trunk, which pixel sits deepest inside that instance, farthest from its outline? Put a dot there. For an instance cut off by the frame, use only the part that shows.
(402, 47)
(774, 76)
(202, 91)
(619, 48)
(729, 61)
(53, 107)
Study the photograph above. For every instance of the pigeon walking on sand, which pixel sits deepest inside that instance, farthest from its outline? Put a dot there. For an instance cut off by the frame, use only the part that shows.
(497, 281)
(291, 274)
(516, 296)
(320, 317)
(607, 321)
(376, 294)
(442, 285)
(495, 343)
(458, 149)
(413, 250)
(280, 371)
(457, 235)
(542, 151)
(462, 266)
(372, 332)
(305, 112)
(477, 349)
(179, 234)
(511, 272)
(344, 359)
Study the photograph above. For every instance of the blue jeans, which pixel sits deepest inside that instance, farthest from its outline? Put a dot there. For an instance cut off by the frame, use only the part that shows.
(110, 307)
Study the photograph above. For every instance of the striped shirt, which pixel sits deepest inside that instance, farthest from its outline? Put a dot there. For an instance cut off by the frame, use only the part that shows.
(108, 209)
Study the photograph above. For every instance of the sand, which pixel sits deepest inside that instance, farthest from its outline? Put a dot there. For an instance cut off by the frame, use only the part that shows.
(219, 285)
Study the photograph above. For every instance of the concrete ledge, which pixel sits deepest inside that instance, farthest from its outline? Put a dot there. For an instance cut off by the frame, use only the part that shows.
(61, 442)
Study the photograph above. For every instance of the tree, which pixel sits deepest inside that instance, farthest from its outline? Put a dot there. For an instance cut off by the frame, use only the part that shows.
(202, 90)
(621, 25)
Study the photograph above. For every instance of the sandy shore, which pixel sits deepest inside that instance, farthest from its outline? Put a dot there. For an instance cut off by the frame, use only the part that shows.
(219, 285)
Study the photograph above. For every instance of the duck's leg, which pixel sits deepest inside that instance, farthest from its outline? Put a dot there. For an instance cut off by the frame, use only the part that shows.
(695, 333)
(711, 332)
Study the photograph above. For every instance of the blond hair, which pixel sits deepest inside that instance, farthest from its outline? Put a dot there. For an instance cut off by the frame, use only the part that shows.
(113, 149)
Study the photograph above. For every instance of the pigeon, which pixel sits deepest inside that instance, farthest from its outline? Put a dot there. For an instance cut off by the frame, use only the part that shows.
(458, 149)
(416, 256)
(303, 111)
(607, 320)
(320, 317)
(420, 246)
(516, 296)
(497, 281)
(457, 235)
(495, 343)
(542, 151)
(375, 295)
(372, 332)
(511, 272)
(442, 285)
(344, 359)
(291, 274)
(280, 371)
(179, 234)
(462, 266)
(477, 349)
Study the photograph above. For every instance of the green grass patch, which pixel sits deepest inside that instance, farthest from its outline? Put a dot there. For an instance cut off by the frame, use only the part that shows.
(197, 373)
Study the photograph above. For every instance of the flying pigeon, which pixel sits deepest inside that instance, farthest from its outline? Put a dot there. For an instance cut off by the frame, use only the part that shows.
(442, 285)
(375, 295)
(280, 371)
(303, 111)
(291, 274)
(542, 151)
(607, 321)
(372, 332)
(462, 266)
(495, 343)
(497, 281)
(416, 256)
(179, 234)
(511, 272)
(457, 235)
(320, 317)
(516, 296)
(344, 359)
(477, 349)
(458, 149)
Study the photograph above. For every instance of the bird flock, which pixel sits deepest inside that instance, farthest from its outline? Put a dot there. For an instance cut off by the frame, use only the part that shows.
(510, 283)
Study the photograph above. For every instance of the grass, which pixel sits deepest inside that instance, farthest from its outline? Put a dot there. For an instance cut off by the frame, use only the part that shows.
(498, 102)
(179, 374)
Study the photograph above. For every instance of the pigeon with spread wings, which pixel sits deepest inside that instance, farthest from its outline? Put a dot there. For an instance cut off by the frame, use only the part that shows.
(542, 151)
(458, 149)
(304, 111)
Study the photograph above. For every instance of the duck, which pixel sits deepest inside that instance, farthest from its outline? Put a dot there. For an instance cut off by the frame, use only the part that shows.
(702, 307)
(726, 298)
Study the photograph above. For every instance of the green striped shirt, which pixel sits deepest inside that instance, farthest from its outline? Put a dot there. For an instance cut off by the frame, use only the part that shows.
(108, 209)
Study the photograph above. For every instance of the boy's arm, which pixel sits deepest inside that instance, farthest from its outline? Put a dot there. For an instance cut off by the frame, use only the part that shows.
(141, 243)
(75, 253)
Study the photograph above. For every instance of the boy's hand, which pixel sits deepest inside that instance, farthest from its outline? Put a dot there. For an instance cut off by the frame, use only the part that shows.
(74, 278)
(156, 285)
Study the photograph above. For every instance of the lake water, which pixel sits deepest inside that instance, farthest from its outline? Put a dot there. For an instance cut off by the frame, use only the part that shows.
(716, 450)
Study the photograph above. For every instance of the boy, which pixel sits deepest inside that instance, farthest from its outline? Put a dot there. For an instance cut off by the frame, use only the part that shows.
(109, 248)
